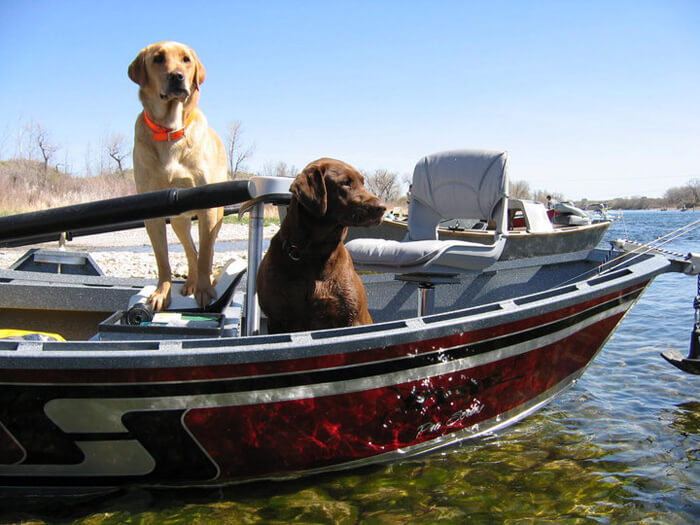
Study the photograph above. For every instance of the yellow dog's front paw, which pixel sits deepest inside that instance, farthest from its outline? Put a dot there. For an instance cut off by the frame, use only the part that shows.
(190, 286)
(160, 299)
(205, 294)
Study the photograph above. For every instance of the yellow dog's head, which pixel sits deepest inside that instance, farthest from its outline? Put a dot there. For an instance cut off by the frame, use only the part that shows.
(168, 70)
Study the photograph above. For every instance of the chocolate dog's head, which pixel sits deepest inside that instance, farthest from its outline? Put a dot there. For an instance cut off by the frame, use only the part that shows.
(334, 190)
(168, 70)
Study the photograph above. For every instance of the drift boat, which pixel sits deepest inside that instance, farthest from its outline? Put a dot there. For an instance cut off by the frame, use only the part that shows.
(463, 344)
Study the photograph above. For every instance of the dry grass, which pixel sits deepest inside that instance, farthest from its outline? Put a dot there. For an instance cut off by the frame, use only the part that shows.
(24, 186)
(27, 187)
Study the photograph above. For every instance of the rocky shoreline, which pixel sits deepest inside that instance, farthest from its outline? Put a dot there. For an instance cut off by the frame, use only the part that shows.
(128, 253)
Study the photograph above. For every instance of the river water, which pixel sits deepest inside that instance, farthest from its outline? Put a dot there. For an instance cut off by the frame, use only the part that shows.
(621, 446)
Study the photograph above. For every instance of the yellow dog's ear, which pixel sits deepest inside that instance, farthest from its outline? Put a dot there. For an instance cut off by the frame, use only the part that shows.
(310, 189)
(137, 69)
(199, 72)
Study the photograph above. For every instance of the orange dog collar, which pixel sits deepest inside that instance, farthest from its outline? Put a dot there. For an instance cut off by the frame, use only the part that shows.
(161, 134)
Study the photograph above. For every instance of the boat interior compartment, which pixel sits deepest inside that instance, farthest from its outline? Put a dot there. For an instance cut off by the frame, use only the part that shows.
(423, 277)
(98, 308)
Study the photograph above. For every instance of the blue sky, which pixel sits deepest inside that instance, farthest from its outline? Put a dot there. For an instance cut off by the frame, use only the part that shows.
(594, 99)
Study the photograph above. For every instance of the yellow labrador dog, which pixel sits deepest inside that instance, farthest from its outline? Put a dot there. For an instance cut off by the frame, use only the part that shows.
(174, 147)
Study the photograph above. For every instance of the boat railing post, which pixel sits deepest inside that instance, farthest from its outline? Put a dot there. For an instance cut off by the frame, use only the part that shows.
(255, 247)
(265, 190)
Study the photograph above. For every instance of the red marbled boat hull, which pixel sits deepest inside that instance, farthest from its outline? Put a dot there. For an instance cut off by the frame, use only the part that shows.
(198, 425)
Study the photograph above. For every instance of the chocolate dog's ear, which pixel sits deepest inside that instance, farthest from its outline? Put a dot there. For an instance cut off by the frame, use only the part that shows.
(137, 69)
(310, 189)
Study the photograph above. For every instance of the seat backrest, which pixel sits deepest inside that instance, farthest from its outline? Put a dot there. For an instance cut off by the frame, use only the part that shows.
(535, 214)
(460, 183)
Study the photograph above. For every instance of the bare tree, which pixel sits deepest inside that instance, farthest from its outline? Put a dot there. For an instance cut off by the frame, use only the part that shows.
(694, 190)
(25, 145)
(65, 165)
(117, 150)
(88, 159)
(280, 169)
(541, 196)
(46, 148)
(675, 196)
(4, 139)
(384, 184)
(288, 171)
(237, 152)
(520, 189)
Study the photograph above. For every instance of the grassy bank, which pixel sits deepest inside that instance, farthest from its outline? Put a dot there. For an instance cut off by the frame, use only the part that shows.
(27, 186)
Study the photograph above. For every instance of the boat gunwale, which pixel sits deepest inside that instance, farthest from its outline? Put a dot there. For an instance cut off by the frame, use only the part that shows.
(177, 353)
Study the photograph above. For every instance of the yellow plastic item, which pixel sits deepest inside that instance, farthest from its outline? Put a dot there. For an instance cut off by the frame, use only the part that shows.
(28, 335)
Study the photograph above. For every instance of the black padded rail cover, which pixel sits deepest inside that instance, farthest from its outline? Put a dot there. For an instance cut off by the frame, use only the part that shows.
(151, 205)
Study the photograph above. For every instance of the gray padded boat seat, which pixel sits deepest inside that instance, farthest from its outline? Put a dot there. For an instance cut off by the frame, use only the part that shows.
(461, 183)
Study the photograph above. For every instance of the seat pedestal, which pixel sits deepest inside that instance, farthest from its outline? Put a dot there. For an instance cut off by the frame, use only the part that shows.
(426, 286)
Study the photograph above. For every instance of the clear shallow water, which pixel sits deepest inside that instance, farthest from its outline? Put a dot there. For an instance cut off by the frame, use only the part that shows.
(621, 446)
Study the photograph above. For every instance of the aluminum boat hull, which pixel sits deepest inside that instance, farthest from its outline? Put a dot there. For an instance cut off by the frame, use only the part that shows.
(184, 412)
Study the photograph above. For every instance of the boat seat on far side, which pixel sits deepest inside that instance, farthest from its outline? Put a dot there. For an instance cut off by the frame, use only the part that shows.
(534, 213)
(461, 183)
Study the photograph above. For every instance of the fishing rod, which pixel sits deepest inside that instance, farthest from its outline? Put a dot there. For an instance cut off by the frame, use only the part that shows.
(628, 256)
(654, 245)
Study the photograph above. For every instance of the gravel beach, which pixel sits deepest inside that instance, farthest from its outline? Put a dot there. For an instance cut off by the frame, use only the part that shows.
(128, 253)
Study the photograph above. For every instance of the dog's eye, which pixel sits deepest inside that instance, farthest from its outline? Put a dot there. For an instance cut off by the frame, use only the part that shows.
(159, 59)
(347, 182)
(186, 58)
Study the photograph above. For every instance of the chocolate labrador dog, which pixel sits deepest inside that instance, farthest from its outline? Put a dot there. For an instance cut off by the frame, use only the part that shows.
(306, 280)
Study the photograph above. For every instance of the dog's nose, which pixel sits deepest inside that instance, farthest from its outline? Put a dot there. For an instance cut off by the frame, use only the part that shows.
(177, 76)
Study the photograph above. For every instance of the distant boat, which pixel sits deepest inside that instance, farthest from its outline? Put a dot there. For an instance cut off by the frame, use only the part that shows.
(601, 212)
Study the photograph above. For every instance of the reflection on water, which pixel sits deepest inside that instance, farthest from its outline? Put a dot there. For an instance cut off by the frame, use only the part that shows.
(623, 445)
(572, 461)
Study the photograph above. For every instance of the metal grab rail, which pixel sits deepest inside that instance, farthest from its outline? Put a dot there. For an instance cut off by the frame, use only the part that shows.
(267, 190)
